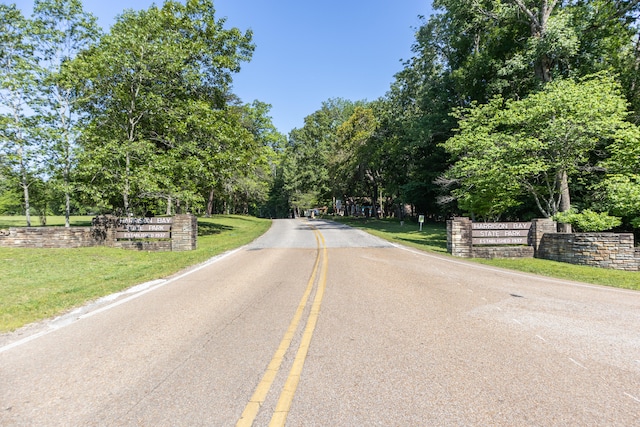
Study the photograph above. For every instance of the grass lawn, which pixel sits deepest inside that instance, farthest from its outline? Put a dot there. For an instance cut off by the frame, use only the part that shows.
(40, 283)
(21, 221)
(433, 237)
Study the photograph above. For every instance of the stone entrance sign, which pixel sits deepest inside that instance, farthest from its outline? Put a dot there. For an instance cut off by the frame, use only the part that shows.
(177, 233)
(469, 239)
(500, 233)
(144, 228)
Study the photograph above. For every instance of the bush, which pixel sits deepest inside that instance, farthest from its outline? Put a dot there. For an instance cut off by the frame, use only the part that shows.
(588, 220)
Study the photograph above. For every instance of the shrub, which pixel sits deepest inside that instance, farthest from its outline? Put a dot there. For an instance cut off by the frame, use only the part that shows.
(588, 220)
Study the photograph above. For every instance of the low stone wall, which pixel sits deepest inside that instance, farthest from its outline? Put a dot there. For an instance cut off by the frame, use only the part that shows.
(183, 237)
(604, 250)
(48, 237)
(460, 242)
(490, 252)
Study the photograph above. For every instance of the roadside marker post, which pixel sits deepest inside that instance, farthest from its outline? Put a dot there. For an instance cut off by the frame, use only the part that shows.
(421, 221)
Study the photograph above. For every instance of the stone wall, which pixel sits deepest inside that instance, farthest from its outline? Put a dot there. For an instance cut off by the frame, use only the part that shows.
(460, 243)
(604, 250)
(183, 236)
(48, 237)
(490, 252)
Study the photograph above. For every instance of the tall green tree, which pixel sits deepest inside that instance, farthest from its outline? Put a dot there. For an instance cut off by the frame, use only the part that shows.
(506, 148)
(306, 170)
(619, 192)
(417, 119)
(18, 89)
(471, 51)
(356, 156)
(156, 84)
(61, 30)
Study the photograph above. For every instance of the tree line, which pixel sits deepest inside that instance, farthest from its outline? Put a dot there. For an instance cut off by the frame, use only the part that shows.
(139, 120)
(508, 109)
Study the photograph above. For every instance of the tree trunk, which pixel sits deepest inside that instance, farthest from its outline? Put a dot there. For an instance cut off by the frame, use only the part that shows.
(538, 19)
(67, 179)
(374, 202)
(565, 199)
(169, 204)
(67, 209)
(25, 187)
(210, 203)
(543, 69)
(125, 190)
(67, 188)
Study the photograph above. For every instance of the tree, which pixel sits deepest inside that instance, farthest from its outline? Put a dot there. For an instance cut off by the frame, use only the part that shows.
(156, 88)
(61, 30)
(308, 151)
(250, 182)
(18, 66)
(416, 120)
(619, 192)
(505, 148)
(356, 159)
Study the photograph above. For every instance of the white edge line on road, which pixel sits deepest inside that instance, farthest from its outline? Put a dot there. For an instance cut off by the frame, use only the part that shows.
(578, 363)
(633, 397)
(137, 290)
(514, 273)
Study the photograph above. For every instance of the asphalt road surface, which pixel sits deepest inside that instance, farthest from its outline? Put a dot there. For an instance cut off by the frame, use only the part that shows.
(316, 324)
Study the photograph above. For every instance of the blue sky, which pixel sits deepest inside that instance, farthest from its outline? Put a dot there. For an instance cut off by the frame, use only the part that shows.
(307, 51)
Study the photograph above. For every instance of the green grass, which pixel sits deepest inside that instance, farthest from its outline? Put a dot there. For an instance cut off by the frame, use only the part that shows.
(21, 221)
(433, 237)
(562, 270)
(40, 283)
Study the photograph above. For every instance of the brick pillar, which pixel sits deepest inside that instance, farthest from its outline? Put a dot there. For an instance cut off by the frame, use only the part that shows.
(459, 241)
(539, 227)
(184, 233)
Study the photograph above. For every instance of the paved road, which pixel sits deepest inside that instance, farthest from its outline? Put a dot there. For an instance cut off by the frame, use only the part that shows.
(316, 324)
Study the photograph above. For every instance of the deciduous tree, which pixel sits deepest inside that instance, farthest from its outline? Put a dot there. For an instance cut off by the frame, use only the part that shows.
(18, 90)
(157, 85)
(61, 30)
(508, 147)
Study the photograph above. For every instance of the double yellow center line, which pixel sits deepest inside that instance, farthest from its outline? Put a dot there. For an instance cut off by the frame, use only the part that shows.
(286, 396)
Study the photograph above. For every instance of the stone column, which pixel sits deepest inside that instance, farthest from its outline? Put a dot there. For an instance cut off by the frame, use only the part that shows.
(539, 227)
(103, 230)
(459, 240)
(184, 233)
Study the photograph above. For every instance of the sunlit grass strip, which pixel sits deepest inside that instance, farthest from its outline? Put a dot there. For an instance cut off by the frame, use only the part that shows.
(21, 221)
(434, 238)
(39, 283)
(562, 270)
